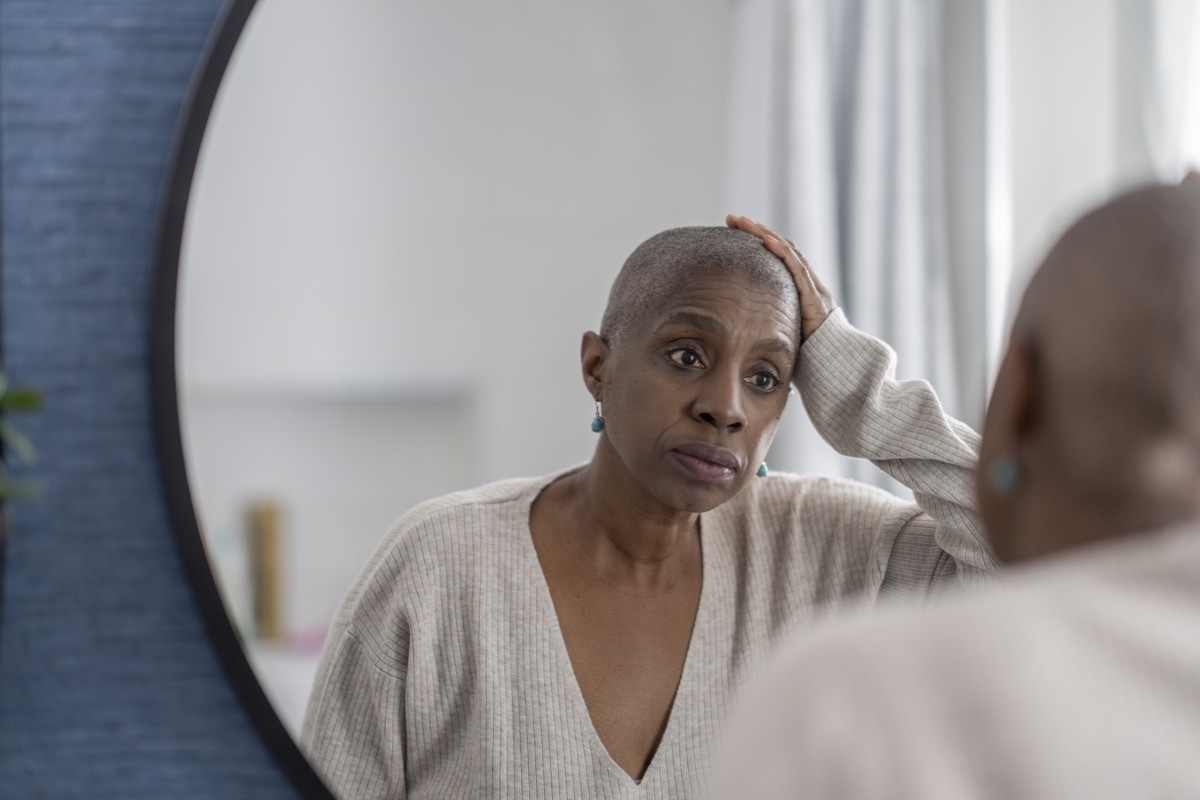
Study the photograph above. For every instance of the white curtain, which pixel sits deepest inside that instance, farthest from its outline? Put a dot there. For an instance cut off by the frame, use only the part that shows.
(1156, 87)
(925, 153)
(837, 141)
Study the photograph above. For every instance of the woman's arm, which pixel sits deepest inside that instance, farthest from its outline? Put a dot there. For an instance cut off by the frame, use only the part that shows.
(354, 725)
(847, 381)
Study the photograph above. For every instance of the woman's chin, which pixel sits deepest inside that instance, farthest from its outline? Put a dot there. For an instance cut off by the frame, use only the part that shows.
(698, 497)
(670, 484)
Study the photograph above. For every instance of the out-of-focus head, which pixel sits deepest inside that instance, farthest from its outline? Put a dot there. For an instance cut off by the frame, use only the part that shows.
(692, 364)
(1093, 429)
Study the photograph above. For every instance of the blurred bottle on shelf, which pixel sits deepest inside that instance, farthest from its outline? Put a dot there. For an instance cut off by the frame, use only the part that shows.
(265, 524)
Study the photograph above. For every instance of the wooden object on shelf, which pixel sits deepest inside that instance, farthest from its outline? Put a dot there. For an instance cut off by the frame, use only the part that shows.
(265, 528)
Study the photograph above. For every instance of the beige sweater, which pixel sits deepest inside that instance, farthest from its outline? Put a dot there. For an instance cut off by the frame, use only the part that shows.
(1078, 677)
(445, 674)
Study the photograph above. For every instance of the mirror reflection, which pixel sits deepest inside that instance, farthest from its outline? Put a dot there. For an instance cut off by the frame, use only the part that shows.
(394, 242)
(406, 215)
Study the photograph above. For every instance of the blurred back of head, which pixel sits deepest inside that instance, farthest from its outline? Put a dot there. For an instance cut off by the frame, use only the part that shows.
(1093, 430)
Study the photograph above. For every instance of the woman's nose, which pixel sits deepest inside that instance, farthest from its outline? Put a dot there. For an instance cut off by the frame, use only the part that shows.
(719, 402)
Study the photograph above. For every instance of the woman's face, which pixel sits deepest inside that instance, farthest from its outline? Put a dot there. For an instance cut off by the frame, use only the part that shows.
(694, 392)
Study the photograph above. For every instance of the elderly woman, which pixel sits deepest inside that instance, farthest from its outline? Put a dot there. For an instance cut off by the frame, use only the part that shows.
(582, 634)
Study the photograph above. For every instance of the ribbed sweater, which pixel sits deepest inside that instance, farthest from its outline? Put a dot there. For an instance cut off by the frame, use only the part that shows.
(1073, 677)
(445, 674)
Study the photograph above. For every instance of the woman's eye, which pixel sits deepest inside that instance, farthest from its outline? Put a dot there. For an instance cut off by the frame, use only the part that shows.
(684, 357)
(764, 380)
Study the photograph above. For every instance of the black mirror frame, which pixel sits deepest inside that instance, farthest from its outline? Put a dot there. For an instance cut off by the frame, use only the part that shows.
(172, 211)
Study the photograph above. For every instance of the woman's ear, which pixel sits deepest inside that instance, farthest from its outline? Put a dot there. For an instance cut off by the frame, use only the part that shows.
(1012, 413)
(1008, 450)
(1024, 391)
(593, 357)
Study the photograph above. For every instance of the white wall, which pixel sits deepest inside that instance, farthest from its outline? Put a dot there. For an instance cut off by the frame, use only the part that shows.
(404, 194)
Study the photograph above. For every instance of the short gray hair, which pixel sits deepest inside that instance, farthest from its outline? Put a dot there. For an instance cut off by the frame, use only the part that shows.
(665, 261)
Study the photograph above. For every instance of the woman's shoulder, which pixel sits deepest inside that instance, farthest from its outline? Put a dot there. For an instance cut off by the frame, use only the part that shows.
(465, 519)
(492, 500)
(439, 544)
(816, 509)
(788, 493)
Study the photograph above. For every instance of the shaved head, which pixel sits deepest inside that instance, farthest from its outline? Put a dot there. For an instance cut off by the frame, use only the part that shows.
(1115, 308)
(1098, 397)
(666, 261)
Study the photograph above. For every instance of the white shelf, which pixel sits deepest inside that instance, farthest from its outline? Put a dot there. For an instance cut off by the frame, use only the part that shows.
(397, 393)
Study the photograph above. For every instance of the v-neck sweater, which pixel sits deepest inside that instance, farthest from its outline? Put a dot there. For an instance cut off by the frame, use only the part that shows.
(445, 674)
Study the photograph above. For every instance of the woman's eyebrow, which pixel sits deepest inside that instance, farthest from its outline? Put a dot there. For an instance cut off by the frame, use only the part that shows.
(776, 344)
(704, 322)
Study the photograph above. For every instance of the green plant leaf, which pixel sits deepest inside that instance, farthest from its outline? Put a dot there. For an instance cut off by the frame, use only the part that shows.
(18, 490)
(16, 440)
(22, 398)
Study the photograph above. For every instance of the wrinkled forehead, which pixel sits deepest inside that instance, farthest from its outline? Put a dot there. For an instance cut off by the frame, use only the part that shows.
(682, 259)
(764, 280)
(725, 295)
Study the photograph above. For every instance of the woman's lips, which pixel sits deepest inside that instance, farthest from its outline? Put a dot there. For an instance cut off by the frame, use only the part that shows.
(708, 463)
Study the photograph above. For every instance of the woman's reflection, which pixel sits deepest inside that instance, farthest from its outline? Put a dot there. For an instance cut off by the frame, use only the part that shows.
(576, 634)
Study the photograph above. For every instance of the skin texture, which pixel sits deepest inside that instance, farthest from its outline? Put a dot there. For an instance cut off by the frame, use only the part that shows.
(1096, 395)
(692, 395)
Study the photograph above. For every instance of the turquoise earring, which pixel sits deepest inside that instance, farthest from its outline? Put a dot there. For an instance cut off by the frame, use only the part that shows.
(762, 470)
(598, 421)
(1004, 475)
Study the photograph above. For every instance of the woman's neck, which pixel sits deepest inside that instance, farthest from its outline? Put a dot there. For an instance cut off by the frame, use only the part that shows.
(622, 534)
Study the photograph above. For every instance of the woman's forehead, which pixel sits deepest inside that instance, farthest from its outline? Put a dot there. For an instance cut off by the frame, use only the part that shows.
(722, 303)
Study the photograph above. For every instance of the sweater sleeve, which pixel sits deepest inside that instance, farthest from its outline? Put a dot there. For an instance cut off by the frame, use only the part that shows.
(847, 382)
(354, 727)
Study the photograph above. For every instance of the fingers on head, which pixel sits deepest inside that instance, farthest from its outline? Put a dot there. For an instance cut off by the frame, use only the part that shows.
(787, 251)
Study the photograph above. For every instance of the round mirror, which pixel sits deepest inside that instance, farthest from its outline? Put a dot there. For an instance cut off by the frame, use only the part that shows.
(392, 222)
(402, 218)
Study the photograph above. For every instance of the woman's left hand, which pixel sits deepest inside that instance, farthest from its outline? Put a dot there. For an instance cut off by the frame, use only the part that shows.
(816, 302)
